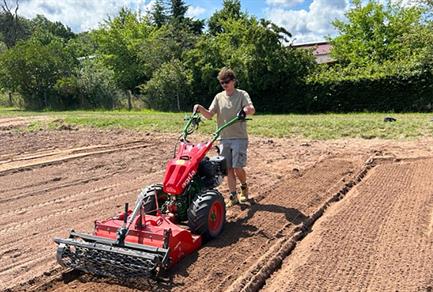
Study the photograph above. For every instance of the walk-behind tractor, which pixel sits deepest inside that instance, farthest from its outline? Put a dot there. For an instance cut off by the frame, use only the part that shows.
(168, 221)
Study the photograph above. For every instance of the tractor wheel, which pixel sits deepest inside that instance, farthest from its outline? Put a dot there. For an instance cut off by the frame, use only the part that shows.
(207, 214)
(149, 205)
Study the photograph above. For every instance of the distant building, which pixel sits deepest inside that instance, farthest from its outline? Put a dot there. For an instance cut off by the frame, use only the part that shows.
(321, 51)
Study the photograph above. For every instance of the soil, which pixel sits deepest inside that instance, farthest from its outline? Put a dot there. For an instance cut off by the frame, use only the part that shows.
(372, 200)
(378, 239)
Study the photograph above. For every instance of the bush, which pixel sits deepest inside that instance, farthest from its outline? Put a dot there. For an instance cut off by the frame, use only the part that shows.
(32, 69)
(393, 86)
(93, 86)
(170, 88)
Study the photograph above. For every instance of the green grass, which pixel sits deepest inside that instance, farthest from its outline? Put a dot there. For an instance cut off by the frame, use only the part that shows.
(321, 126)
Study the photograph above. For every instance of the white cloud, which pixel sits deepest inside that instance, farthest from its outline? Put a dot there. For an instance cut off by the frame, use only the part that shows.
(80, 15)
(309, 25)
(195, 11)
(285, 3)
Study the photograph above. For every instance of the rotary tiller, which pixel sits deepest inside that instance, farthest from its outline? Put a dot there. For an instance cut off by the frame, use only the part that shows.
(169, 220)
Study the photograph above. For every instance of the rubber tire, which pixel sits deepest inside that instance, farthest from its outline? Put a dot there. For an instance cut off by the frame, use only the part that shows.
(198, 213)
(149, 205)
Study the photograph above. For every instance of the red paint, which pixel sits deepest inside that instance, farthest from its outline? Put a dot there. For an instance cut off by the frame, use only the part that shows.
(181, 169)
(182, 242)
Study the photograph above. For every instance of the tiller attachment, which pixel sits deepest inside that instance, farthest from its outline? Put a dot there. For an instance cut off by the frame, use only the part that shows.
(100, 256)
(131, 244)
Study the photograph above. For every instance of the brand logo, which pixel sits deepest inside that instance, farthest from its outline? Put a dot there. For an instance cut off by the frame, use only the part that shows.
(188, 179)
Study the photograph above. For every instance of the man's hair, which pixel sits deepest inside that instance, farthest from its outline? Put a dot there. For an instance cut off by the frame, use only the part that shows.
(226, 73)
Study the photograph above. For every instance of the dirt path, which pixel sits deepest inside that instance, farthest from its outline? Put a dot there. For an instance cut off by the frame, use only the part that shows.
(379, 238)
(52, 181)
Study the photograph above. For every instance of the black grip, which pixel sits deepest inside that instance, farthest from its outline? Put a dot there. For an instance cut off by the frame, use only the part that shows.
(241, 115)
(125, 216)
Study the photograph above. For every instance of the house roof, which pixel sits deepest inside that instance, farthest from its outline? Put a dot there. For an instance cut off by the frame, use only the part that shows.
(321, 48)
(321, 51)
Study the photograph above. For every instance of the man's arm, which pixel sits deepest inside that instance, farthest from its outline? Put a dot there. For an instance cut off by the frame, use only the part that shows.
(206, 113)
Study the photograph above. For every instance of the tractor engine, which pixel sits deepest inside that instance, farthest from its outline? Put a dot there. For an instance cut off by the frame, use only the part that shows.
(212, 171)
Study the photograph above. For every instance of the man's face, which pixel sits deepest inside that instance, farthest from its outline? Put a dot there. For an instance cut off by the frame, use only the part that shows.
(227, 84)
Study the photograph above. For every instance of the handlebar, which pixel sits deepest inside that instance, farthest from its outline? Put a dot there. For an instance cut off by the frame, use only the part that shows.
(193, 121)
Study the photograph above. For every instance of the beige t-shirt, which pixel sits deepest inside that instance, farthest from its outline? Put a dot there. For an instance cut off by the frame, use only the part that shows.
(226, 107)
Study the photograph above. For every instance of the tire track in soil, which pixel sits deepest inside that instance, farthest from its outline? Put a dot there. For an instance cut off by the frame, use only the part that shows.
(383, 245)
(73, 197)
(57, 177)
(56, 198)
(249, 233)
(31, 163)
(13, 157)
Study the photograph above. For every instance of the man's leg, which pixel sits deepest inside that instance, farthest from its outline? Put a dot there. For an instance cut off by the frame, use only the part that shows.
(241, 174)
(231, 180)
(226, 151)
(239, 162)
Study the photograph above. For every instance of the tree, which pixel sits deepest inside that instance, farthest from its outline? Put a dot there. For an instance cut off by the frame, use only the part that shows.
(270, 71)
(91, 86)
(12, 27)
(83, 45)
(231, 10)
(169, 88)
(32, 68)
(375, 32)
(163, 45)
(119, 42)
(40, 24)
(178, 9)
(158, 13)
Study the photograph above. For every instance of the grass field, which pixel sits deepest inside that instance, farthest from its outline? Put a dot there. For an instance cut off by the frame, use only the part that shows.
(320, 126)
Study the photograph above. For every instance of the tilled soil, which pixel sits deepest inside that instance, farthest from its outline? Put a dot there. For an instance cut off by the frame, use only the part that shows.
(52, 181)
(379, 238)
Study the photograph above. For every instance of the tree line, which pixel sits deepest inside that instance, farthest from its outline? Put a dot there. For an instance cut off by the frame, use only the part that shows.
(164, 60)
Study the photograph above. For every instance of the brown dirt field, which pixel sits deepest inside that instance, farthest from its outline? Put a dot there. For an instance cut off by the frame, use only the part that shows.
(52, 181)
(379, 238)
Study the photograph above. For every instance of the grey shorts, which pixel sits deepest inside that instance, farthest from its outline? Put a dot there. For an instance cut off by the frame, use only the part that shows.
(235, 152)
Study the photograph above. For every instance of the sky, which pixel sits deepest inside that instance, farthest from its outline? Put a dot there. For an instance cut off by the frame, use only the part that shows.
(306, 20)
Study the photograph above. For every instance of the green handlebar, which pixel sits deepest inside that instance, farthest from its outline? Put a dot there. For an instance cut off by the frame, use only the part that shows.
(194, 121)
(219, 130)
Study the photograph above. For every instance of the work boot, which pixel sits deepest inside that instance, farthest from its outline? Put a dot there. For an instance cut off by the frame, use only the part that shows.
(243, 196)
(233, 200)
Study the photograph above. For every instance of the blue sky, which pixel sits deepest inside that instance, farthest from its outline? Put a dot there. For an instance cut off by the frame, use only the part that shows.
(254, 7)
(307, 20)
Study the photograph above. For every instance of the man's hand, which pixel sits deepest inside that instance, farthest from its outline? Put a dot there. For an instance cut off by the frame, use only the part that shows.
(200, 109)
(249, 109)
(196, 108)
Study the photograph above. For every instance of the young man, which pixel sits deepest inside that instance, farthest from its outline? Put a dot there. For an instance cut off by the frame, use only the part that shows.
(234, 139)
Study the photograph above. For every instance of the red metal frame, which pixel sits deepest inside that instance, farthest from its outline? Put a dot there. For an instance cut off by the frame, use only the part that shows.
(149, 230)
(182, 168)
